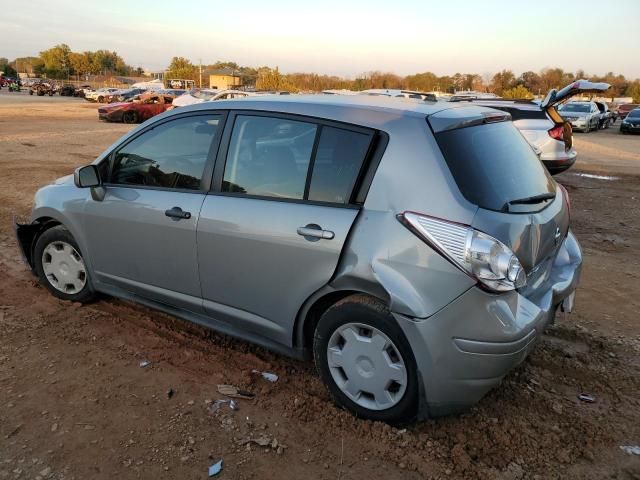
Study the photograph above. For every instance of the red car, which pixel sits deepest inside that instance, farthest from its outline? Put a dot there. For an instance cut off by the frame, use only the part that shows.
(625, 108)
(136, 110)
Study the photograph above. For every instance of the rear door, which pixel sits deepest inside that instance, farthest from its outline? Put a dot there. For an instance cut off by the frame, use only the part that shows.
(271, 232)
(494, 168)
(579, 87)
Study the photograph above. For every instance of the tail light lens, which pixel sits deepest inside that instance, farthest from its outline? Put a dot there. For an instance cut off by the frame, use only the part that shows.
(479, 255)
(557, 132)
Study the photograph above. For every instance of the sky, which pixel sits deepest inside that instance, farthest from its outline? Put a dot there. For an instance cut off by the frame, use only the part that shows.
(340, 37)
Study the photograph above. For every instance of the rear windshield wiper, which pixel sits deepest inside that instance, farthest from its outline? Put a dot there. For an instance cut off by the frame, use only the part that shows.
(529, 200)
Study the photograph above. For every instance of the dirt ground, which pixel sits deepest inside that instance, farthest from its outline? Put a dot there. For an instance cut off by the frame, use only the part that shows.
(75, 404)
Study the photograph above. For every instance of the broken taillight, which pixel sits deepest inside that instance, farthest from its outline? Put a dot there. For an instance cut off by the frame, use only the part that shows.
(479, 255)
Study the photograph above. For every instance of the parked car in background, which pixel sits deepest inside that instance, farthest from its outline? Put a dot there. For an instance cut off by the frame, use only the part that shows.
(100, 95)
(385, 92)
(137, 109)
(547, 132)
(606, 116)
(631, 122)
(82, 90)
(583, 116)
(625, 108)
(66, 90)
(415, 250)
(206, 95)
(42, 88)
(124, 95)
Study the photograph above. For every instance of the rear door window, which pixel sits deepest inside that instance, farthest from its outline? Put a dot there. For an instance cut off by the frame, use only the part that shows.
(493, 165)
(291, 159)
(269, 157)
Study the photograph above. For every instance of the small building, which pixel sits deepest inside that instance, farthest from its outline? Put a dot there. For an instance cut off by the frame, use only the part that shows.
(224, 79)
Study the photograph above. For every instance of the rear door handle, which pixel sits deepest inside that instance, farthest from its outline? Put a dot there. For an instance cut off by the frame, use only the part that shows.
(315, 232)
(177, 213)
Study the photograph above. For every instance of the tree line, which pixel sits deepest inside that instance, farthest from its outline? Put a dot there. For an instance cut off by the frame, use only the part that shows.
(504, 83)
(61, 62)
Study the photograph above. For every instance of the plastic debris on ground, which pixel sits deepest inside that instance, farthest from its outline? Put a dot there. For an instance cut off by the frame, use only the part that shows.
(234, 392)
(215, 406)
(587, 398)
(215, 469)
(145, 363)
(631, 449)
(263, 441)
(270, 377)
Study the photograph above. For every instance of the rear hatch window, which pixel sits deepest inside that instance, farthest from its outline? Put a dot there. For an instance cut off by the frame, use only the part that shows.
(495, 168)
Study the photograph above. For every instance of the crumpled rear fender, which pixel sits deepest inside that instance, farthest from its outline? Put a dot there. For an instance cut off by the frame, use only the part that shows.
(402, 270)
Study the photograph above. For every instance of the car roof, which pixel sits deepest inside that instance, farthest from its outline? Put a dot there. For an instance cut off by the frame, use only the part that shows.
(329, 106)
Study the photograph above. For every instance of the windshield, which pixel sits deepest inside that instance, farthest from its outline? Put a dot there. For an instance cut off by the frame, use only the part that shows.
(575, 107)
(634, 113)
(494, 165)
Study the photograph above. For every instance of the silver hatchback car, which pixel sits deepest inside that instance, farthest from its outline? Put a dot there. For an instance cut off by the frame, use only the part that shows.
(415, 250)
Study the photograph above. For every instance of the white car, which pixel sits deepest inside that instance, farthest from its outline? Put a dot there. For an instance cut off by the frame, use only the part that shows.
(206, 95)
(100, 94)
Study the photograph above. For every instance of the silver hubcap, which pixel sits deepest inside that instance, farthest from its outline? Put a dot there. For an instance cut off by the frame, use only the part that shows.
(367, 366)
(64, 268)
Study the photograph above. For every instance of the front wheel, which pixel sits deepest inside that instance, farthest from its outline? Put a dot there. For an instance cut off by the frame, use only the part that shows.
(130, 117)
(366, 362)
(61, 267)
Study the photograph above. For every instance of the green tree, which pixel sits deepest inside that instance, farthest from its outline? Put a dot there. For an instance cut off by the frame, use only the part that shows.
(272, 79)
(502, 81)
(56, 61)
(6, 68)
(181, 68)
(531, 81)
(80, 63)
(633, 90)
(518, 91)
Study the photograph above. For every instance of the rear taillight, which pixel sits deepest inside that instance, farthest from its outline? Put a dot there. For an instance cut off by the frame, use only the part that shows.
(557, 132)
(482, 257)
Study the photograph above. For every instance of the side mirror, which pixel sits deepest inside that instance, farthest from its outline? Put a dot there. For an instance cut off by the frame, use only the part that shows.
(87, 177)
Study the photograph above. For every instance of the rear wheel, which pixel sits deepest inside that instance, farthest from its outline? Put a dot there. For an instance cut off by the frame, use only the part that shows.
(366, 361)
(100, 99)
(130, 117)
(61, 267)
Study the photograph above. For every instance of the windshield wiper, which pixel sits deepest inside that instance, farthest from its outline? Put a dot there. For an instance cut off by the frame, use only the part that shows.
(529, 200)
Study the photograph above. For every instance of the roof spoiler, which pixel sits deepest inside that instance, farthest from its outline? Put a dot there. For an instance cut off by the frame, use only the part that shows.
(554, 97)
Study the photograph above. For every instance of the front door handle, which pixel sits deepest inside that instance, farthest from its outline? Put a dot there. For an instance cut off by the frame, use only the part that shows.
(177, 213)
(314, 232)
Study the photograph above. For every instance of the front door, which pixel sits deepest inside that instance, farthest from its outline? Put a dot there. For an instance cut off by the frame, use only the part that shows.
(273, 232)
(142, 235)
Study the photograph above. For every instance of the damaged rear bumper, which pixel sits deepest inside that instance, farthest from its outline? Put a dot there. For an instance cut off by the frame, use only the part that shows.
(466, 348)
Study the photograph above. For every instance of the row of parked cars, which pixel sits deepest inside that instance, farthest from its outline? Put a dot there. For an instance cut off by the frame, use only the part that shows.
(136, 105)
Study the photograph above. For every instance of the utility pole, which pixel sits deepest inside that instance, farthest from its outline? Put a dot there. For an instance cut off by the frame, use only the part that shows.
(200, 72)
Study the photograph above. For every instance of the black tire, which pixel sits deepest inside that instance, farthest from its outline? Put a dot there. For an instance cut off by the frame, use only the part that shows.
(130, 117)
(101, 99)
(60, 234)
(366, 310)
